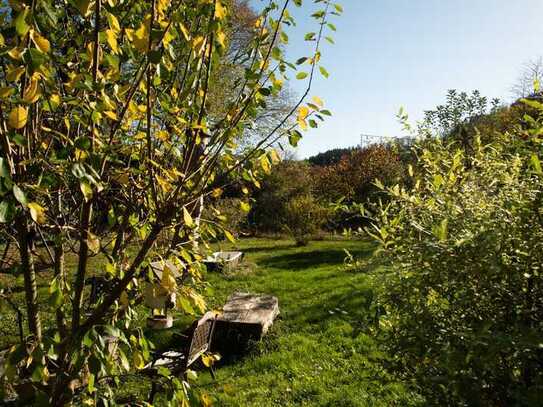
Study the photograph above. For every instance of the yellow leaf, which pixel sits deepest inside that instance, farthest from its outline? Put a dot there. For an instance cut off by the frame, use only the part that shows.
(187, 218)
(41, 43)
(198, 44)
(138, 361)
(220, 11)
(162, 6)
(229, 236)
(111, 115)
(114, 23)
(265, 164)
(17, 117)
(141, 36)
(93, 243)
(217, 192)
(55, 100)
(168, 281)
(302, 113)
(208, 360)
(111, 38)
(31, 94)
(184, 31)
(37, 212)
(198, 301)
(6, 92)
(168, 37)
(221, 38)
(274, 156)
(16, 53)
(245, 207)
(318, 101)
(14, 74)
(2, 42)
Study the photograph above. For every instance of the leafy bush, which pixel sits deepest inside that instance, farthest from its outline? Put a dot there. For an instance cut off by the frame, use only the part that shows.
(287, 180)
(463, 294)
(303, 216)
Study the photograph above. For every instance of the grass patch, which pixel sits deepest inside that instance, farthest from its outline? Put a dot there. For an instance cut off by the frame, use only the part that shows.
(320, 351)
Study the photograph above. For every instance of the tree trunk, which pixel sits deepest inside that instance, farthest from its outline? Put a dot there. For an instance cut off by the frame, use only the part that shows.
(27, 265)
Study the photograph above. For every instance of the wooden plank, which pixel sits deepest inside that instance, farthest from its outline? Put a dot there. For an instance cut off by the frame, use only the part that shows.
(245, 319)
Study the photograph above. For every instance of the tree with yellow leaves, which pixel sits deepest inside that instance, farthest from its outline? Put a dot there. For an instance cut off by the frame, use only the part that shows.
(108, 143)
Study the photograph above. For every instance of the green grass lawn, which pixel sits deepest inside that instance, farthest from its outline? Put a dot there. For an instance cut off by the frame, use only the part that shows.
(320, 351)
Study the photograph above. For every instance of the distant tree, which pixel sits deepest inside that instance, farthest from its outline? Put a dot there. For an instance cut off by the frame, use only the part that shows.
(530, 79)
(330, 157)
(353, 177)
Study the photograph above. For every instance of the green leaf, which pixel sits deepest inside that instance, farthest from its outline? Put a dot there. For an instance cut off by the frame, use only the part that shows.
(301, 75)
(56, 299)
(536, 164)
(86, 189)
(4, 168)
(185, 305)
(20, 22)
(20, 195)
(294, 137)
(324, 72)
(7, 211)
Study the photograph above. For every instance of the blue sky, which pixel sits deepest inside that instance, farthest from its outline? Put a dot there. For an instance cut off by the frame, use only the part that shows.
(392, 53)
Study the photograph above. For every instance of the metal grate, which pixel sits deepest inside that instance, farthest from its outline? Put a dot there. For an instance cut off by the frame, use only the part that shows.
(200, 341)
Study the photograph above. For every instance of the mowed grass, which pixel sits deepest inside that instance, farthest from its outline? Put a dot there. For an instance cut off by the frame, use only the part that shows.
(321, 351)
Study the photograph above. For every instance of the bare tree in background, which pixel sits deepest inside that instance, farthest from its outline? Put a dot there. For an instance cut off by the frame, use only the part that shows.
(531, 75)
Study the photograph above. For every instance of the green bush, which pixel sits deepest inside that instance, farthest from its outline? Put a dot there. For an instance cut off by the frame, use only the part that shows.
(287, 180)
(463, 291)
(303, 216)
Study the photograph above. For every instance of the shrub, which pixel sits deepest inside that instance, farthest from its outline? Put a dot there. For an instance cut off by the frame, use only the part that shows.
(303, 216)
(287, 180)
(463, 294)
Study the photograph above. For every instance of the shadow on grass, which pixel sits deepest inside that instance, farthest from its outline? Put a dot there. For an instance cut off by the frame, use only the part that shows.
(308, 259)
(266, 248)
